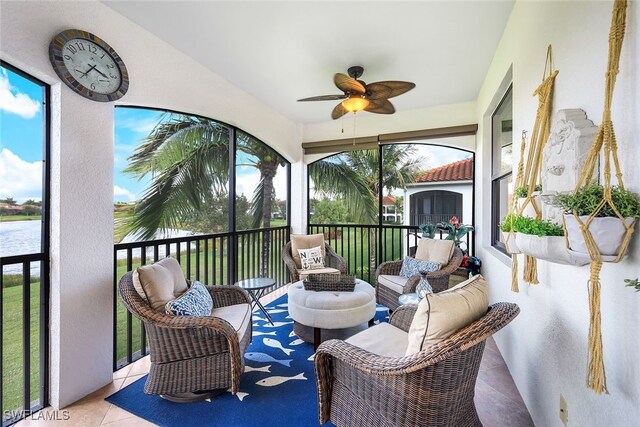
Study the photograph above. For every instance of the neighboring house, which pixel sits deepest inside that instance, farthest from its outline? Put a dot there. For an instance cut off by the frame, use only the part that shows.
(389, 211)
(440, 193)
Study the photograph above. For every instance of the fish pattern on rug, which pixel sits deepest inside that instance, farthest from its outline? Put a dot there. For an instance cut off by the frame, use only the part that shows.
(278, 387)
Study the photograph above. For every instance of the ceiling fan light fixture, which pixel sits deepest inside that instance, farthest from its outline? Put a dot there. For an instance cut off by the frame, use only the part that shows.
(355, 103)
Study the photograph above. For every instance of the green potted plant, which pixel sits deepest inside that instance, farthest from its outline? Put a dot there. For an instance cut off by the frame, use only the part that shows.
(607, 228)
(521, 193)
(507, 230)
(543, 240)
(455, 231)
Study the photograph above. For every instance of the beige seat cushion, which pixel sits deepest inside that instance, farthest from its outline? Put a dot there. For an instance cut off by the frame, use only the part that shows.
(440, 315)
(395, 283)
(383, 339)
(305, 241)
(238, 315)
(435, 250)
(160, 282)
(327, 270)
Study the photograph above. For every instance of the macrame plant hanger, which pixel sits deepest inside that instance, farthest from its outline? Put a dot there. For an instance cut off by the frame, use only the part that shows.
(511, 235)
(533, 167)
(605, 140)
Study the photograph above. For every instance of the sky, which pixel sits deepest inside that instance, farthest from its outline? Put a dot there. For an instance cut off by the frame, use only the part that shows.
(21, 137)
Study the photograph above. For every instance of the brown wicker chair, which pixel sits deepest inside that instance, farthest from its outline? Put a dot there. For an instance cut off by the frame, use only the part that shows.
(332, 260)
(439, 280)
(434, 387)
(191, 354)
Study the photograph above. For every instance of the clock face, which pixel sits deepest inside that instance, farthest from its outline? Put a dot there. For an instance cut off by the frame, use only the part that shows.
(88, 65)
(91, 66)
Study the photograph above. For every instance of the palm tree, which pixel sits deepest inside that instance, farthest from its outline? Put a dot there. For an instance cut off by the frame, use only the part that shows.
(353, 177)
(188, 160)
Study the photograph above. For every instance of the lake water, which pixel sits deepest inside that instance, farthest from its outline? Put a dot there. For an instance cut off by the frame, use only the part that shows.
(23, 237)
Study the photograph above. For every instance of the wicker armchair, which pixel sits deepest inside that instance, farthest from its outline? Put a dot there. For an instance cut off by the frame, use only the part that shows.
(332, 260)
(191, 354)
(439, 279)
(434, 387)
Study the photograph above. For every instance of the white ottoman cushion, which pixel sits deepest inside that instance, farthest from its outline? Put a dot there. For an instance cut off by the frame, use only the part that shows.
(332, 310)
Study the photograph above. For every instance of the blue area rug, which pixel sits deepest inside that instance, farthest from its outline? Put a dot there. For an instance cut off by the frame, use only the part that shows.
(278, 387)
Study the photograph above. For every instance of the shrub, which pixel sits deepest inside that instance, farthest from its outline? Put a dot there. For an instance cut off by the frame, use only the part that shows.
(527, 225)
(586, 200)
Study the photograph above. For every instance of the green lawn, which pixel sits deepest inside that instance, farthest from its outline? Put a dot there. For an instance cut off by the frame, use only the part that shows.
(10, 218)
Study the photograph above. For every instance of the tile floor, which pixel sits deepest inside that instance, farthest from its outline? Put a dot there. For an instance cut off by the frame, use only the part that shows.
(497, 399)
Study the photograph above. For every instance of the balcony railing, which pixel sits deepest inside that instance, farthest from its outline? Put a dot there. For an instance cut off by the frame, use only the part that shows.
(419, 219)
(24, 298)
(214, 259)
(364, 247)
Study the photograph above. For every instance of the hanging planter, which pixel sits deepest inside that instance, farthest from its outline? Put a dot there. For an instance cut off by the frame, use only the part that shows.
(510, 242)
(527, 209)
(550, 248)
(608, 228)
(608, 234)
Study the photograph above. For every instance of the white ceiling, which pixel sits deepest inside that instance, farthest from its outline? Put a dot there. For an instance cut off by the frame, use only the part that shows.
(283, 51)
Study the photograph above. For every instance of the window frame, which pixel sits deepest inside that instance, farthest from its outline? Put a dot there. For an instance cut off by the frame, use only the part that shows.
(497, 175)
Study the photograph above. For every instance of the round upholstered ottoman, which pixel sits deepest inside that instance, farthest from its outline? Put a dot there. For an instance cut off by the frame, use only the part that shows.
(313, 311)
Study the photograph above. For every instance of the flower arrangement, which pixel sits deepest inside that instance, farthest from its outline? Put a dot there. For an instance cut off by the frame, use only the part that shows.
(455, 230)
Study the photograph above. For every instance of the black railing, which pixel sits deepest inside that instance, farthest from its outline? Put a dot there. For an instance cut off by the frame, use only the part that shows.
(364, 247)
(24, 335)
(213, 259)
(419, 219)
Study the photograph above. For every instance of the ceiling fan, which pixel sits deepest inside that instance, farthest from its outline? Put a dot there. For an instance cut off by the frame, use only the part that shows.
(357, 96)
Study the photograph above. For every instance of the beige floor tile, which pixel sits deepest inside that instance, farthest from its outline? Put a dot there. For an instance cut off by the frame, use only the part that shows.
(131, 380)
(115, 414)
(130, 422)
(122, 373)
(140, 367)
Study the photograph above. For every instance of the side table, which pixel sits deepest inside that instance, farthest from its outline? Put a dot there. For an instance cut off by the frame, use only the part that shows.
(257, 288)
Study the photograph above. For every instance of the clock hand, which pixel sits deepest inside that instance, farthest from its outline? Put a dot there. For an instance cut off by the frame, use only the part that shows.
(93, 67)
(101, 73)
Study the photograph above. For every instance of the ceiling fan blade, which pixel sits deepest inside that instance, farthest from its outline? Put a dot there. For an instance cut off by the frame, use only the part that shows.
(378, 91)
(338, 112)
(380, 106)
(323, 98)
(347, 84)
(395, 87)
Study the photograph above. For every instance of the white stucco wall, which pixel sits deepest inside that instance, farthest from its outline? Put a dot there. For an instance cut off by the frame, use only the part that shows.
(546, 346)
(82, 167)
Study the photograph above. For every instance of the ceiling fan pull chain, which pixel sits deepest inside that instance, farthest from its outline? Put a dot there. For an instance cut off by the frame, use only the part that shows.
(354, 128)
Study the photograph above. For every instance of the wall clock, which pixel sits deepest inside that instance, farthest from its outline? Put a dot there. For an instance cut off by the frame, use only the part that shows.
(88, 65)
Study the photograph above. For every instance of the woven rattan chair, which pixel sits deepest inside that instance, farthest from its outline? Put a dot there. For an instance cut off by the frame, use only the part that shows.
(191, 354)
(434, 387)
(332, 260)
(439, 280)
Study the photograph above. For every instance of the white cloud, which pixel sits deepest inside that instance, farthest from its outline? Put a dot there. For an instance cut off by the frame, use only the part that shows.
(19, 179)
(123, 192)
(15, 102)
(140, 125)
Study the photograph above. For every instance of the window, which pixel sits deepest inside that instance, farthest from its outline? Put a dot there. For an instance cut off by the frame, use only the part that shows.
(24, 243)
(501, 165)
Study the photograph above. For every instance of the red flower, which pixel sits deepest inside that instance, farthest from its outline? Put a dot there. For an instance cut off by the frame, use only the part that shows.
(465, 260)
(454, 221)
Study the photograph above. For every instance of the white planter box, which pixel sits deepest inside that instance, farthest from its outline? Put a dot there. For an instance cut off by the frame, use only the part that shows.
(608, 234)
(549, 248)
(510, 242)
(529, 210)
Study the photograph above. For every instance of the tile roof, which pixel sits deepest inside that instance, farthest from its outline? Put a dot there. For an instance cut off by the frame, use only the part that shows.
(388, 200)
(461, 170)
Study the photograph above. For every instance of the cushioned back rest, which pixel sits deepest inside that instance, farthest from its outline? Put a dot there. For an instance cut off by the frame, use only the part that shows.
(160, 282)
(305, 241)
(440, 315)
(435, 250)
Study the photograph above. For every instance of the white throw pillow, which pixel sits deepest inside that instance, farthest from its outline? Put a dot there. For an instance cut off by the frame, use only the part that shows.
(311, 259)
(439, 251)
(442, 314)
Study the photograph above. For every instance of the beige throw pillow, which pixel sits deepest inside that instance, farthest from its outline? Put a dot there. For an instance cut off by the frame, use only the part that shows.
(311, 259)
(160, 282)
(442, 314)
(435, 250)
(305, 241)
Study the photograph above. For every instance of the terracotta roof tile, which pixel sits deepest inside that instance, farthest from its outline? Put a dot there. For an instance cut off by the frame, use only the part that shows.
(461, 170)
(388, 200)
